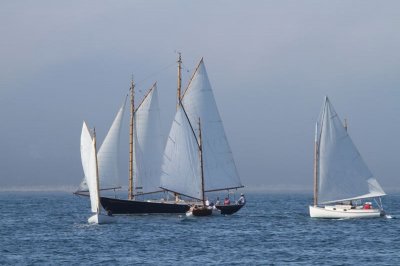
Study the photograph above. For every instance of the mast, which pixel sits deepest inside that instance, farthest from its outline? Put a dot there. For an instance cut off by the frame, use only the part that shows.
(315, 166)
(179, 80)
(132, 89)
(201, 164)
(345, 124)
(97, 170)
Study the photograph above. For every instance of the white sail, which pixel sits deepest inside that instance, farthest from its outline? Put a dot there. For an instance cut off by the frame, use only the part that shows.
(108, 156)
(342, 173)
(198, 100)
(86, 146)
(181, 163)
(91, 177)
(148, 144)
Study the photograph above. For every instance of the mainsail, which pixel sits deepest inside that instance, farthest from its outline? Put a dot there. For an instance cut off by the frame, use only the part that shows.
(198, 100)
(342, 173)
(148, 144)
(107, 156)
(181, 165)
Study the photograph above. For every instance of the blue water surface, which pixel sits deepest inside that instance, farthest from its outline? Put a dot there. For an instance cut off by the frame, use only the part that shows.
(47, 228)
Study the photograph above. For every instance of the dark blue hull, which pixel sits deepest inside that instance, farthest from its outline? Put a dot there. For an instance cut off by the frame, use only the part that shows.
(229, 209)
(119, 206)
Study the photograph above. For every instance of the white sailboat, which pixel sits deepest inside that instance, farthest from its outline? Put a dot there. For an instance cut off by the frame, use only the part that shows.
(180, 169)
(343, 185)
(88, 147)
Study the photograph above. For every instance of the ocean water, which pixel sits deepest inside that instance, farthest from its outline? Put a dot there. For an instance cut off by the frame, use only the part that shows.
(44, 228)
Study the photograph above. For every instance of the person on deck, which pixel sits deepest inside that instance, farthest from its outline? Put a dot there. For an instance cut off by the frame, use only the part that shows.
(176, 197)
(368, 205)
(241, 200)
(227, 201)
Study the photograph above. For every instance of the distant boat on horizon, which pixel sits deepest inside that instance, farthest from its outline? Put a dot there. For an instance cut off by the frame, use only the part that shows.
(343, 184)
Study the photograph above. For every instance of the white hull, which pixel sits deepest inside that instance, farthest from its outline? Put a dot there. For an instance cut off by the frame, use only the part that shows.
(101, 219)
(341, 212)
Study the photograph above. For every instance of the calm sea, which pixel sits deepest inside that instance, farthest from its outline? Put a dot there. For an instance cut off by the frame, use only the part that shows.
(272, 229)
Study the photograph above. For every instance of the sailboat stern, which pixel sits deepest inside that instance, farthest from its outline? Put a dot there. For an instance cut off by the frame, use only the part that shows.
(229, 209)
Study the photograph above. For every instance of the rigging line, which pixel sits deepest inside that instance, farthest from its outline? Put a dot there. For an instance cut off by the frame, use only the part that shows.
(155, 73)
(322, 123)
(168, 190)
(185, 68)
(185, 73)
(145, 96)
(190, 124)
(191, 79)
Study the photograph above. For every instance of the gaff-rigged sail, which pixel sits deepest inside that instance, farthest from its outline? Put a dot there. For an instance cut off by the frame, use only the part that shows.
(181, 164)
(107, 156)
(148, 144)
(342, 173)
(198, 100)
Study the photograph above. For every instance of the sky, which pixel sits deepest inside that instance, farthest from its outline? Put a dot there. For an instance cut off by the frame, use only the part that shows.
(270, 64)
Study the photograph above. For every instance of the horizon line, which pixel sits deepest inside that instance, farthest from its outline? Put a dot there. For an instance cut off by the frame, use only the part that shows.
(246, 189)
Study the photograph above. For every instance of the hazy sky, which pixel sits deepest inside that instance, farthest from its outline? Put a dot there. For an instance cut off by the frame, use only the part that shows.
(270, 64)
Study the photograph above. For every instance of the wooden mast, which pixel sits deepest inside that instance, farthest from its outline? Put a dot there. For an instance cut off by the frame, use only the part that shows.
(179, 80)
(316, 166)
(132, 89)
(201, 165)
(97, 170)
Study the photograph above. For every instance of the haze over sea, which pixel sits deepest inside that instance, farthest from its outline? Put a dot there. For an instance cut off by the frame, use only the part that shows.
(270, 65)
(40, 228)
